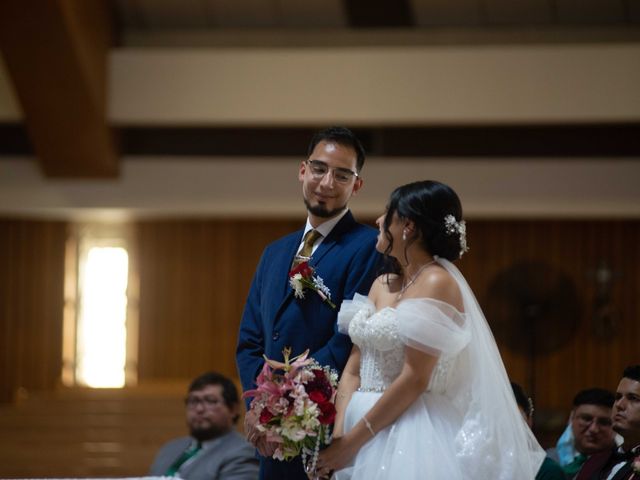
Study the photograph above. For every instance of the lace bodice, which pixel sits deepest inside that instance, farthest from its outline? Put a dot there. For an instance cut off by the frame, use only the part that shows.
(381, 351)
(382, 336)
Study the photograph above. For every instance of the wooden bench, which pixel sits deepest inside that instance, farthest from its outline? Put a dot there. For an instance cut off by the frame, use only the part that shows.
(89, 432)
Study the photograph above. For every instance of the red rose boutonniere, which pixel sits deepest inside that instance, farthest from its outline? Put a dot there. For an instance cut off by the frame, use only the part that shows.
(303, 276)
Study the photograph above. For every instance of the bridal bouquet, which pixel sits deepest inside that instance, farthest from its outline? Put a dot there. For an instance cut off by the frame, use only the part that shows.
(294, 402)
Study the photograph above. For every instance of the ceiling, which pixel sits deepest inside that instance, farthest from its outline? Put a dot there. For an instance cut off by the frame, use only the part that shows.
(152, 15)
(69, 44)
(188, 23)
(551, 95)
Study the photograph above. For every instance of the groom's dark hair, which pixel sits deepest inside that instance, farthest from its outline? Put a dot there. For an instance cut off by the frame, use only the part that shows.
(632, 372)
(342, 136)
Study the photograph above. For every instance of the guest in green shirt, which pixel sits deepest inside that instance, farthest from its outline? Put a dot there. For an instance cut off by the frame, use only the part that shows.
(589, 431)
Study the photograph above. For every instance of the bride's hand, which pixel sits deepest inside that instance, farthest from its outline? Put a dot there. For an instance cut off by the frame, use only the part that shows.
(257, 438)
(335, 457)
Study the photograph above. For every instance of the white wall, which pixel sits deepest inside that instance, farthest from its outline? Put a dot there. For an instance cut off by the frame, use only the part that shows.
(376, 85)
(257, 187)
(369, 85)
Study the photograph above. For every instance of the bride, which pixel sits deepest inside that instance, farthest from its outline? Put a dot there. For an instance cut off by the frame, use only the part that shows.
(424, 394)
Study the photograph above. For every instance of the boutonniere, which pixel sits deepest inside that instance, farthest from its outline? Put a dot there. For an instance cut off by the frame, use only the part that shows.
(303, 276)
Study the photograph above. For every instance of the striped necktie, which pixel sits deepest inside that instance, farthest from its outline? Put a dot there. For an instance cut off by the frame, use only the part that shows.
(307, 247)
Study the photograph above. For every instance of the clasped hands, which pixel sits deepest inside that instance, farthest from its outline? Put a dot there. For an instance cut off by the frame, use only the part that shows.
(334, 457)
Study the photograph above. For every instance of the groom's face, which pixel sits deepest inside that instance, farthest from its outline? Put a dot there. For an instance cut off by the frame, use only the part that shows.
(325, 197)
(626, 410)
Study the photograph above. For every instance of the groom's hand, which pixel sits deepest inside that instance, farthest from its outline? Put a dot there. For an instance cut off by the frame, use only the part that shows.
(250, 429)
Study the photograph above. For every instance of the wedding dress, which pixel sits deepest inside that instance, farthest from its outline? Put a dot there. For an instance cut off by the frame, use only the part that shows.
(466, 425)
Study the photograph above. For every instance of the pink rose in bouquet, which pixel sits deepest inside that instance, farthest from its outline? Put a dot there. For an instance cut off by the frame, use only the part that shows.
(294, 402)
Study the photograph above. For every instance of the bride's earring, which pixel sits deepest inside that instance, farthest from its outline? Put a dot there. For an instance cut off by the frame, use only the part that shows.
(404, 235)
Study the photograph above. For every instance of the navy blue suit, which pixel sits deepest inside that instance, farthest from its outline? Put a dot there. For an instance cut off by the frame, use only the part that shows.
(274, 319)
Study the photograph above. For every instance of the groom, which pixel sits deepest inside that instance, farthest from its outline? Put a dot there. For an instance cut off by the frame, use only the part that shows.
(343, 254)
(622, 463)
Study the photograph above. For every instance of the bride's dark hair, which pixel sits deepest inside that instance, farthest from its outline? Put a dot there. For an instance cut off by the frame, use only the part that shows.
(427, 203)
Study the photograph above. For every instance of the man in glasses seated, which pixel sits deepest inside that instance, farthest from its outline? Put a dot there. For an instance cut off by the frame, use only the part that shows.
(589, 431)
(214, 450)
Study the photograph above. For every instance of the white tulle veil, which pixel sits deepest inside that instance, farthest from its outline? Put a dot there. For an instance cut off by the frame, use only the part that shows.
(494, 441)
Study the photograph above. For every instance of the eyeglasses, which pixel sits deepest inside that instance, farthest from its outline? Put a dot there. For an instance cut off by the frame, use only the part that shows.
(586, 419)
(206, 402)
(319, 169)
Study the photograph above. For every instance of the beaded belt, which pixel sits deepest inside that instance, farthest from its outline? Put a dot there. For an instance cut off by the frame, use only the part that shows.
(371, 389)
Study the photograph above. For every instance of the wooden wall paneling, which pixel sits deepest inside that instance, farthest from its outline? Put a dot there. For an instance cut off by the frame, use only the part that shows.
(154, 266)
(576, 248)
(209, 295)
(146, 277)
(6, 353)
(31, 293)
(626, 292)
(194, 278)
(178, 295)
(228, 285)
(196, 275)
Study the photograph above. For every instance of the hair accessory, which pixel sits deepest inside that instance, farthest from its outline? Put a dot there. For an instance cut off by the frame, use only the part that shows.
(452, 226)
(368, 425)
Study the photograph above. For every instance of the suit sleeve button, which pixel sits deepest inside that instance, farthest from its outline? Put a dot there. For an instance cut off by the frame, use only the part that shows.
(276, 336)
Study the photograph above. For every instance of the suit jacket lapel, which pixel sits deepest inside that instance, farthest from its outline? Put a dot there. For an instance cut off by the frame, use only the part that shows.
(624, 473)
(282, 268)
(345, 224)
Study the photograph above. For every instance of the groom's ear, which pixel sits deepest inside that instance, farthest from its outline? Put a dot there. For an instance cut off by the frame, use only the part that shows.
(302, 169)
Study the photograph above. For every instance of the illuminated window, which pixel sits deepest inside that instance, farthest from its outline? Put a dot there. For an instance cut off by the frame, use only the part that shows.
(98, 320)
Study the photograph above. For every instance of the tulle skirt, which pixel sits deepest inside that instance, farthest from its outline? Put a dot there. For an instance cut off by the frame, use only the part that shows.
(418, 445)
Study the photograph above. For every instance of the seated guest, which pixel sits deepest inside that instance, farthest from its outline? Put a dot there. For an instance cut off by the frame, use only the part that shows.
(622, 463)
(589, 430)
(549, 470)
(214, 450)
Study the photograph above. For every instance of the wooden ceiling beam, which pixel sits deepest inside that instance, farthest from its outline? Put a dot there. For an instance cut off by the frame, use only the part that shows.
(379, 13)
(56, 54)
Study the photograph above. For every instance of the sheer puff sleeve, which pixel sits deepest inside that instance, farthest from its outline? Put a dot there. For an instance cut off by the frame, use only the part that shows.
(432, 326)
(360, 305)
